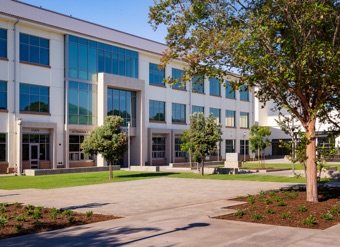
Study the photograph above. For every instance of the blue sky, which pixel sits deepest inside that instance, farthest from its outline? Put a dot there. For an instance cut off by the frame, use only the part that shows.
(130, 16)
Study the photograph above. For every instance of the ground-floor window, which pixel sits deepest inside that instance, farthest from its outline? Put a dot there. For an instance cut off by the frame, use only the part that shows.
(75, 151)
(230, 146)
(158, 147)
(178, 152)
(42, 141)
(244, 147)
(278, 149)
(2, 147)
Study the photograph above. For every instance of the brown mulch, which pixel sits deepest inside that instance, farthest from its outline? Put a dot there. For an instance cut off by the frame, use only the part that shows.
(17, 219)
(289, 208)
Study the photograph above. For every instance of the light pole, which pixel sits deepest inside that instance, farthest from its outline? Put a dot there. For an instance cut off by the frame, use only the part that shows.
(129, 125)
(244, 146)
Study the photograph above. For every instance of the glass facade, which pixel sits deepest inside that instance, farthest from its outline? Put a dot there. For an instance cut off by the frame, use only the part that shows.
(244, 149)
(230, 118)
(122, 103)
(80, 106)
(75, 151)
(178, 152)
(44, 145)
(244, 93)
(3, 145)
(3, 43)
(198, 84)
(158, 147)
(86, 58)
(244, 120)
(157, 111)
(215, 87)
(176, 75)
(178, 113)
(230, 146)
(278, 149)
(216, 113)
(229, 91)
(3, 95)
(34, 98)
(156, 75)
(196, 108)
(34, 49)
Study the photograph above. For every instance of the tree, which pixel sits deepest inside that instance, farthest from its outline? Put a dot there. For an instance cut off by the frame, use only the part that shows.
(259, 140)
(203, 134)
(186, 145)
(107, 140)
(288, 49)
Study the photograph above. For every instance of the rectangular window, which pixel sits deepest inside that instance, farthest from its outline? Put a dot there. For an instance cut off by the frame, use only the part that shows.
(3, 95)
(215, 87)
(196, 108)
(244, 120)
(230, 118)
(178, 152)
(244, 149)
(244, 93)
(122, 103)
(158, 147)
(3, 147)
(34, 49)
(86, 58)
(34, 98)
(75, 151)
(44, 145)
(176, 75)
(80, 105)
(229, 91)
(156, 75)
(3, 43)
(178, 113)
(230, 146)
(198, 84)
(157, 111)
(216, 113)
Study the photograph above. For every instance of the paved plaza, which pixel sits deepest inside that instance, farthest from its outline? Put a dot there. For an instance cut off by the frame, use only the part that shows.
(161, 212)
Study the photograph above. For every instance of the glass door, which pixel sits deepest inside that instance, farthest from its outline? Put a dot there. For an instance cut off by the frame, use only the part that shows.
(34, 155)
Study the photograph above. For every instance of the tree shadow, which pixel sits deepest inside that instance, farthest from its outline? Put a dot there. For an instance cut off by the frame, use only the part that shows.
(88, 236)
(89, 205)
(148, 174)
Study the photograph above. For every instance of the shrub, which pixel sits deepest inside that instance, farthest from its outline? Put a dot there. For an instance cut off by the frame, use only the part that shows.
(327, 216)
(239, 213)
(17, 204)
(29, 207)
(270, 211)
(2, 209)
(335, 209)
(256, 216)
(261, 194)
(67, 212)
(20, 218)
(19, 228)
(88, 214)
(268, 201)
(286, 215)
(272, 193)
(281, 204)
(309, 221)
(251, 199)
(71, 219)
(302, 209)
(3, 221)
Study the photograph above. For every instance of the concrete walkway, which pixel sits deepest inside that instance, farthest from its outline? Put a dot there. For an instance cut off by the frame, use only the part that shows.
(161, 212)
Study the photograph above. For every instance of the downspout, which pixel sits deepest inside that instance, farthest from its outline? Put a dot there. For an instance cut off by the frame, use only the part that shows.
(18, 139)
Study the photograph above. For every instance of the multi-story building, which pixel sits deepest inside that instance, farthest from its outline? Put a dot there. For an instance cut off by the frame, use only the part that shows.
(61, 76)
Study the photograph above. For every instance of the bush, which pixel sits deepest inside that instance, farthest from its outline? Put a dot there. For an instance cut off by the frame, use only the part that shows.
(327, 216)
(286, 215)
(302, 209)
(281, 204)
(88, 214)
(251, 199)
(239, 213)
(20, 218)
(270, 211)
(256, 216)
(309, 221)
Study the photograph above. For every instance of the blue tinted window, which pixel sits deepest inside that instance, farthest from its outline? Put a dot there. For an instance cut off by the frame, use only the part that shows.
(176, 75)
(3, 95)
(34, 49)
(229, 118)
(244, 120)
(87, 57)
(244, 93)
(229, 91)
(178, 113)
(216, 113)
(215, 87)
(3, 43)
(156, 75)
(198, 84)
(196, 108)
(34, 98)
(157, 110)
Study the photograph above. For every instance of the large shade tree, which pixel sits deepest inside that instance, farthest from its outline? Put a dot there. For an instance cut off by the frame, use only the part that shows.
(288, 49)
(107, 140)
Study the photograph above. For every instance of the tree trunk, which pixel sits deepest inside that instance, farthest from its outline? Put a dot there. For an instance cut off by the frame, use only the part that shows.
(202, 167)
(110, 170)
(311, 175)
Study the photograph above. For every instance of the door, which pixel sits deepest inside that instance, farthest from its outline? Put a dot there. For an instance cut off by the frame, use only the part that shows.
(34, 155)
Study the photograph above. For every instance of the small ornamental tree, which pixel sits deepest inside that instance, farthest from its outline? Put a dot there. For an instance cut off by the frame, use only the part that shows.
(107, 140)
(259, 140)
(203, 134)
(186, 145)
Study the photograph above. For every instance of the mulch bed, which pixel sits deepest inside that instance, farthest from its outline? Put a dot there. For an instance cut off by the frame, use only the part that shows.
(17, 219)
(289, 208)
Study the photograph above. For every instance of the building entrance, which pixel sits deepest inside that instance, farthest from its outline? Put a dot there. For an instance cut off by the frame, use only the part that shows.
(34, 155)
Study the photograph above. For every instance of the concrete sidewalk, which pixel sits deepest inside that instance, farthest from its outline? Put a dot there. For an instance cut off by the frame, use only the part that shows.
(162, 212)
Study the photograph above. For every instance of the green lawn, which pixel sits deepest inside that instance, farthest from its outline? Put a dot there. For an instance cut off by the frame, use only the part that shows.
(78, 179)
(255, 164)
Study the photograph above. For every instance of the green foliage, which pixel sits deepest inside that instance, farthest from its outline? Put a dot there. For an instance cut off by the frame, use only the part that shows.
(259, 139)
(71, 219)
(88, 214)
(17, 204)
(67, 212)
(309, 221)
(267, 201)
(272, 193)
(327, 216)
(256, 216)
(29, 207)
(286, 215)
(3, 221)
(335, 210)
(20, 218)
(19, 228)
(302, 209)
(239, 213)
(281, 204)
(270, 211)
(251, 199)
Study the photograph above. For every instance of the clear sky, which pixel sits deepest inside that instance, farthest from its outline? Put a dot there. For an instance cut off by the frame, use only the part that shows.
(130, 16)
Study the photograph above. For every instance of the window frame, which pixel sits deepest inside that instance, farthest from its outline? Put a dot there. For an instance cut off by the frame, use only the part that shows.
(244, 93)
(3, 41)
(176, 74)
(155, 72)
(152, 104)
(32, 48)
(32, 96)
(227, 115)
(178, 109)
(215, 87)
(244, 114)
(229, 92)
(3, 147)
(3, 95)
(213, 111)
